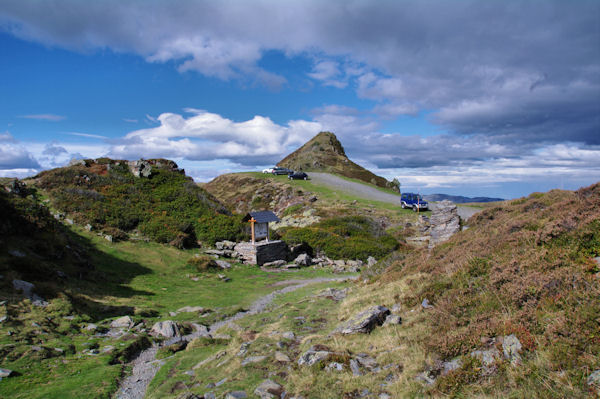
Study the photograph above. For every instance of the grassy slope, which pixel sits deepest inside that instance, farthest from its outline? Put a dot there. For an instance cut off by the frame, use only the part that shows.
(145, 280)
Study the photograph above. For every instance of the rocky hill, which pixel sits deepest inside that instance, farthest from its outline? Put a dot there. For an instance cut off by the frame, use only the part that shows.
(147, 198)
(325, 153)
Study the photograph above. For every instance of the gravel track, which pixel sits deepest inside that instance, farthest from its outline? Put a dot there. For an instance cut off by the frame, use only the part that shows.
(370, 193)
(145, 365)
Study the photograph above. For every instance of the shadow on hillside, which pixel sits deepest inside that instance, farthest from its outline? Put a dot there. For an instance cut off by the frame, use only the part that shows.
(61, 263)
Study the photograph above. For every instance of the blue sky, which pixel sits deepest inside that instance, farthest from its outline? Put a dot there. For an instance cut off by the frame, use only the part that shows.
(496, 98)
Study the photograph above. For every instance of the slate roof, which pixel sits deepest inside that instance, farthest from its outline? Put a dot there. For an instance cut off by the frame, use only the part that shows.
(261, 217)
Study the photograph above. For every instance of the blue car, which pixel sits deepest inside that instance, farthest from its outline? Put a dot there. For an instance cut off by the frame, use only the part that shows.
(414, 201)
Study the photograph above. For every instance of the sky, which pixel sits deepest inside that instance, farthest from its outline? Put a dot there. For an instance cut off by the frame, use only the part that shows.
(476, 98)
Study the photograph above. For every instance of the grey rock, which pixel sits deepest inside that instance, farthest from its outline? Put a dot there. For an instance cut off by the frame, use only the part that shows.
(219, 383)
(511, 346)
(69, 221)
(282, 357)
(88, 227)
(396, 308)
(384, 395)
(367, 361)
(334, 293)
(229, 245)
(210, 395)
(486, 357)
(223, 264)
(451, 365)
(371, 261)
(288, 335)
(167, 329)
(122, 322)
(303, 260)
(276, 263)
(355, 368)
(24, 286)
(253, 359)
(268, 389)
(16, 253)
(334, 366)
(243, 348)
(191, 309)
(91, 327)
(3, 319)
(392, 320)
(593, 380)
(233, 395)
(426, 305)
(444, 222)
(365, 321)
(76, 162)
(312, 356)
(108, 238)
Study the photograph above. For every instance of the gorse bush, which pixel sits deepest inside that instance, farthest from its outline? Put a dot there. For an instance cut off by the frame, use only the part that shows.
(167, 206)
(349, 237)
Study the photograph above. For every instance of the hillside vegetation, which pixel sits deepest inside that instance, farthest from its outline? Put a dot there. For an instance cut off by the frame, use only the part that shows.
(166, 205)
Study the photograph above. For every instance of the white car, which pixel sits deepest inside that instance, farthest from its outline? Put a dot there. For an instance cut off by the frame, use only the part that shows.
(268, 170)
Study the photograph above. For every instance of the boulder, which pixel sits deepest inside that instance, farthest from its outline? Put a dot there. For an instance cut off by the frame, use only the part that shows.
(299, 249)
(282, 357)
(426, 305)
(334, 293)
(392, 319)
(122, 322)
(444, 222)
(268, 389)
(167, 329)
(313, 356)
(371, 261)
(288, 335)
(303, 260)
(276, 263)
(365, 321)
(232, 395)
(511, 346)
(223, 264)
(334, 366)
(25, 287)
(230, 245)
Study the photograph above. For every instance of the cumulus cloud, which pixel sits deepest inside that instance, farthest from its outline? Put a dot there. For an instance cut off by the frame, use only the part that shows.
(208, 136)
(14, 156)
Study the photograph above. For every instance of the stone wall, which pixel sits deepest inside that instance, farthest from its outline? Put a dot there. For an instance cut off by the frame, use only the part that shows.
(262, 252)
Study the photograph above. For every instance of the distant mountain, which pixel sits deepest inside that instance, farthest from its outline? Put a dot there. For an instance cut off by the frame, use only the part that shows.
(324, 153)
(459, 199)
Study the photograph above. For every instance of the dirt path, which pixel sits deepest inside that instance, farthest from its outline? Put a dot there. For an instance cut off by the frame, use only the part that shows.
(145, 366)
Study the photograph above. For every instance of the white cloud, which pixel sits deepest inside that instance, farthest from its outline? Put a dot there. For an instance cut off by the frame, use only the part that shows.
(44, 117)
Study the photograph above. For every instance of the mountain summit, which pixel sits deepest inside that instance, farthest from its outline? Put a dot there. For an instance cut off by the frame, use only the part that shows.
(325, 153)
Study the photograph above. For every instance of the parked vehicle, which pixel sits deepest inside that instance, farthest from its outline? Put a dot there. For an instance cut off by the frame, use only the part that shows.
(414, 201)
(268, 170)
(298, 176)
(281, 171)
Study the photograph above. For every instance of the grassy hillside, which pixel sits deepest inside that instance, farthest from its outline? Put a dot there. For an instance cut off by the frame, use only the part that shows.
(166, 205)
(324, 153)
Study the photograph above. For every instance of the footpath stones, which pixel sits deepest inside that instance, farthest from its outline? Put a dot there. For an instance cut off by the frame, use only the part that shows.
(268, 389)
(365, 321)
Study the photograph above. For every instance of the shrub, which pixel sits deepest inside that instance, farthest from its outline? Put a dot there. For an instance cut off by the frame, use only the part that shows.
(350, 237)
(202, 263)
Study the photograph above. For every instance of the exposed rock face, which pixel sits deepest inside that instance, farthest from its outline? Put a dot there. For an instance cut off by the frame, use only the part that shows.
(262, 252)
(167, 329)
(365, 321)
(268, 389)
(444, 223)
(144, 168)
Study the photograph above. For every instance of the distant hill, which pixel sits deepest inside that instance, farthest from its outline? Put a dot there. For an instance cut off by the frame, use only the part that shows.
(325, 153)
(459, 199)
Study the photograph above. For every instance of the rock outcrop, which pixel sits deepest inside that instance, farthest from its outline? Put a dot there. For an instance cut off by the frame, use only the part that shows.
(444, 222)
(365, 321)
